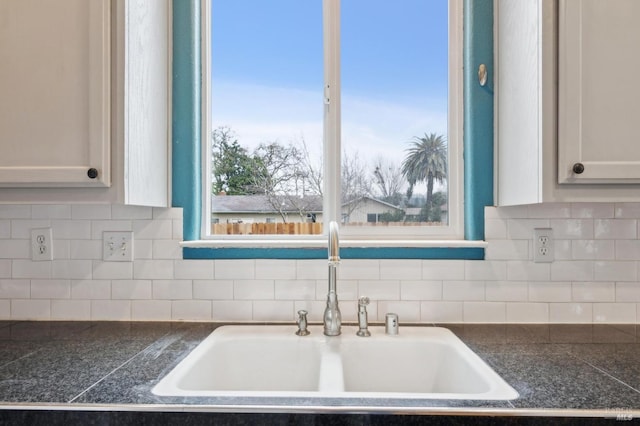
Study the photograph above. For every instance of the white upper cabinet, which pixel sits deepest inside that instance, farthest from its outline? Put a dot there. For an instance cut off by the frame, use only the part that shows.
(54, 93)
(566, 109)
(599, 94)
(84, 101)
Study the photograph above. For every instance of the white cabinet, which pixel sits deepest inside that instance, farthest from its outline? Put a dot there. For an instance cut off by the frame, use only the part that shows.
(599, 60)
(85, 85)
(564, 95)
(54, 93)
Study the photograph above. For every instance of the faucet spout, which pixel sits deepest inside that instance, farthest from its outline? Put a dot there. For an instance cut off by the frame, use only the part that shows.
(332, 315)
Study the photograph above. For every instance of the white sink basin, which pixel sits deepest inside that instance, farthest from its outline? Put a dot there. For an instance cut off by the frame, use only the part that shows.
(420, 362)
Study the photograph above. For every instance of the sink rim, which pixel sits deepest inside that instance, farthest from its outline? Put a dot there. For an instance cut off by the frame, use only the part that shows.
(499, 389)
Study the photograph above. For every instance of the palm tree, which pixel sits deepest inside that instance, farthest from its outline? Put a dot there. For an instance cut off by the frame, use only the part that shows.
(426, 160)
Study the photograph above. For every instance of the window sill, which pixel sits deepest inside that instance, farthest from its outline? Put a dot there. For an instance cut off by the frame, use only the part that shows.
(349, 249)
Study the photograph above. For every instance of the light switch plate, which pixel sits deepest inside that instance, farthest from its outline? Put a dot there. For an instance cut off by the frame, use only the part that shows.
(117, 246)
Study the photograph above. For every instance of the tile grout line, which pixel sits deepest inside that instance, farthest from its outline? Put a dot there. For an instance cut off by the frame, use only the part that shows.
(601, 370)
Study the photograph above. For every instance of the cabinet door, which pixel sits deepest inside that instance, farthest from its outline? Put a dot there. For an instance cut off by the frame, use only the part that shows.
(599, 94)
(54, 93)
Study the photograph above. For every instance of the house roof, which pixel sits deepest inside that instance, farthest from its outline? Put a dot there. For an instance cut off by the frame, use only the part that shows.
(375, 200)
(263, 204)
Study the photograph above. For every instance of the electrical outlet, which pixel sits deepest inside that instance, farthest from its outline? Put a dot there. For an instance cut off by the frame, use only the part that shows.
(117, 246)
(41, 244)
(543, 245)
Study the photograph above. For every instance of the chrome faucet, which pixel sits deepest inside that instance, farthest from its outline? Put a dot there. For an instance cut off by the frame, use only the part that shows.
(332, 316)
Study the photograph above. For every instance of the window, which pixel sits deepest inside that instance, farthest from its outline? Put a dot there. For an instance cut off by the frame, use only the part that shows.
(190, 61)
(334, 110)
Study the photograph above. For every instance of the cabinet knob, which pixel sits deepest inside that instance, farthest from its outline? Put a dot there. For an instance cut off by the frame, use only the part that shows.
(578, 168)
(92, 173)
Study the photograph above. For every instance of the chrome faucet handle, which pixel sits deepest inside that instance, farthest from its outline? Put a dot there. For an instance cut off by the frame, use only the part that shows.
(302, 323)
(362, 317)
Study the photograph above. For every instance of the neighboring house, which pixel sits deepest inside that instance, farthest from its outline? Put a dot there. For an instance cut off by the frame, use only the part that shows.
(412, 214)
(263, 209)
(366, 210)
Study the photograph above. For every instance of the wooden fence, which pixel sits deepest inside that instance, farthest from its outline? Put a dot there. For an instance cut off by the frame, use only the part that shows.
(294, 228)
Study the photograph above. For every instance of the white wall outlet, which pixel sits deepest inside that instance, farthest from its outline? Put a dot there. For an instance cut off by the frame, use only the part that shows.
(41, 244)
(117, 246)
(543, 245)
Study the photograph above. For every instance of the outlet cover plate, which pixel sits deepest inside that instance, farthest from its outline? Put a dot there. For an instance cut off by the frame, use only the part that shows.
(41, 244)
(543, 245)
(117, 246)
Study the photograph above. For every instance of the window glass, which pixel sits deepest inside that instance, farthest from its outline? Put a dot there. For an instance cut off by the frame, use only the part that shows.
(267, 96)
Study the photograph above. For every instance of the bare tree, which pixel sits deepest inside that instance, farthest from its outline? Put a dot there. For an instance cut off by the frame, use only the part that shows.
(389, 181)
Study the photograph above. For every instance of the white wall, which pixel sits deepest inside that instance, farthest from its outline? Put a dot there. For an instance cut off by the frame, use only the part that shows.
(593, 280)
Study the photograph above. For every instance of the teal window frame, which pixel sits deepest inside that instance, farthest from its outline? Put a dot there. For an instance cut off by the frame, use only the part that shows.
(477, 143)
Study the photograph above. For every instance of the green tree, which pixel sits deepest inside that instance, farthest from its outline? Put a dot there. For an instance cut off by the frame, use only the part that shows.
(426, 161)
(233, 168)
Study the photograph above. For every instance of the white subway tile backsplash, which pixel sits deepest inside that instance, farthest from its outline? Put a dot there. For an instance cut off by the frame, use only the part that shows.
(550, 292)
(91, 211)
(401, 270)
(615, 229)
(408, 312)
(594, 277)
(359, 269)
(488, 270)
(273, 310)
(593, 249)
(193, 269)
(50, 289)
(443, 269)
(628, 292)
(71, 269)
(295, 289)
(253, 289)
(379, 290)
(15, 289)
(578, 270)
(485, 312)
(111, 310)
(593, 292)
(571, 229)
(615, 270)
(518, 270)
(112, 270)
(275, 269)
(528, 312)
(5, 229)
(30, 309)
(150, 310)
(213, 289)
(232, 310)
(614, 312)
(463, 290)
(76, 310)
(153, 229)
(506, 291)
(592, 210)
(91, 289)
(131, 289)
(5, 268)
(191, 310)
(152, 269)
(421, 290)
(571, 313)
(235, 269)
(29, 269)
(441, 312)
(173, 289)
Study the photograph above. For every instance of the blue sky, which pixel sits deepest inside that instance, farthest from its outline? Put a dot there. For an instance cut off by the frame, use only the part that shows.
(268, 72)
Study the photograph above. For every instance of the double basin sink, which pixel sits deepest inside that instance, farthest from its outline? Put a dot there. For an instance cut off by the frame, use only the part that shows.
(419, 362)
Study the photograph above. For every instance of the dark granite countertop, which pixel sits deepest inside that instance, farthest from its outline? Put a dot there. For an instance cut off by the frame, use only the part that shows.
(558, 370)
